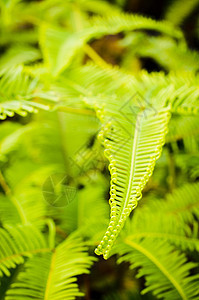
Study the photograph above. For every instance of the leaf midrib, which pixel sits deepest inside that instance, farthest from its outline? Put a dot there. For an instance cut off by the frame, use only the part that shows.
(25, 253)
(49, 279)
(132, 163)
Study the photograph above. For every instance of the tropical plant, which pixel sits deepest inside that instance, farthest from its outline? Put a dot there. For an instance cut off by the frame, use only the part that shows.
(67, 116)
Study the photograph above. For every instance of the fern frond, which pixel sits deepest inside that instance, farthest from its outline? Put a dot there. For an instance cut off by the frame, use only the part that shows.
(162, 49)
(159, 226)
(183, 203)
(185, 100)
(132, 147)
(21, 208)
(128, 22)
(180, 90)
(157, 89)
(98, 7)
(53, 275)
(60, 46)
(19, 242)
(118, 116)
(12, 140)
(105, 87)
(18, 55)
(166, 271)
(21, 94)
(182, 127)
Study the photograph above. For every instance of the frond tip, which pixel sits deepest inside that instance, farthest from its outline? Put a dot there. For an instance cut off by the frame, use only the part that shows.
(132, 149)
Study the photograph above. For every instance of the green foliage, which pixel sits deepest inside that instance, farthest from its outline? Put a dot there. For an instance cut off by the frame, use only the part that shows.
(178, 11)
(17, 243)
(130, 165)
(90, 116)
(159, 269)
(150, 244)
(55, 278)
(18, 90)
(162, 49)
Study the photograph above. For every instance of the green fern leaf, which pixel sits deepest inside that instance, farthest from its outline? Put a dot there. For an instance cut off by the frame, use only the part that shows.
(105, 87)
(183, 204)
(18, 55)
(96, 85)
(132, 149)
(166, 271)
(53, 275)
(60, 46)
(156, 225)
(17, 243)
(162, 49)
(22, 94)
(182, 127)
(21, 208)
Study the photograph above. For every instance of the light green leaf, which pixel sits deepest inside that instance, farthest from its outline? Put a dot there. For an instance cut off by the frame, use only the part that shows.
(53, 275)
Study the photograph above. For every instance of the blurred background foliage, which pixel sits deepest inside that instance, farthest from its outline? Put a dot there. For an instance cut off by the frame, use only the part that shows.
(34, 147)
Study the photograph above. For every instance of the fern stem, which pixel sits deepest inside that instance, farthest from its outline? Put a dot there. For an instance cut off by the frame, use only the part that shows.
(4, 185)
(52, 232)
(48, 284)
(22, 215)
(95, 57)
(87, 49)
(132, 162)
(77, 17)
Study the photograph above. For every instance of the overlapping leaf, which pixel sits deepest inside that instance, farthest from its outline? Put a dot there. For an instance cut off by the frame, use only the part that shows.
(17, 243)
(53, 275)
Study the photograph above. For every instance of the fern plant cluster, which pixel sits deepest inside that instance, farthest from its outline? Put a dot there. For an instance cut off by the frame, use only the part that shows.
(71, 123)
